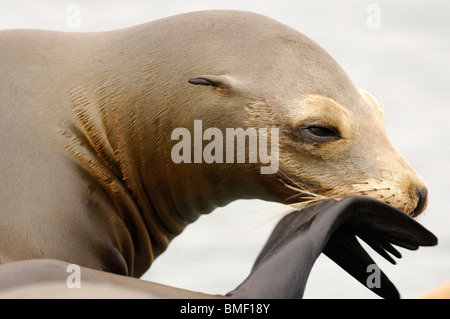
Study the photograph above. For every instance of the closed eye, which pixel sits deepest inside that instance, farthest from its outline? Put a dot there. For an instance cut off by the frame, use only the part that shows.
(319, 133)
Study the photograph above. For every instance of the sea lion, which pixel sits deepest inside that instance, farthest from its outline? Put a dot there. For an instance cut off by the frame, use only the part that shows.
(281, 269)
(86, 168)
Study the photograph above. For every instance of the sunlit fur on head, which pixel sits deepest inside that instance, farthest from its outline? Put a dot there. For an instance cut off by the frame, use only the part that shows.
(362, 162)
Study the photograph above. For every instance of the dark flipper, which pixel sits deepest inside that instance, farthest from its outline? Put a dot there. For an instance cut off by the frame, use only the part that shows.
(284, 264)
(344, 249)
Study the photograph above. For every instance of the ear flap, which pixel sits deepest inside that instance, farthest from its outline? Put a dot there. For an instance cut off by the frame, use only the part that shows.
(219, 81)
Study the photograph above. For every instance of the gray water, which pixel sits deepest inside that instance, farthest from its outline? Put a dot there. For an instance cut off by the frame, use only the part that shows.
(402, 58)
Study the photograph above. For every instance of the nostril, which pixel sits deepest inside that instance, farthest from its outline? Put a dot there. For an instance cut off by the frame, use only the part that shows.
(422, 193)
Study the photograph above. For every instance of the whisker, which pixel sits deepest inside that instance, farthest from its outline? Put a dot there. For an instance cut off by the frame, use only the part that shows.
(308, 197)
(312, 198)
(255, 227)
(295, 183)
(301, 191)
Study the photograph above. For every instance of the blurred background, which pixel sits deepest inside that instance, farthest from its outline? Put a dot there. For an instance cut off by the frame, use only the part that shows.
(400, 52)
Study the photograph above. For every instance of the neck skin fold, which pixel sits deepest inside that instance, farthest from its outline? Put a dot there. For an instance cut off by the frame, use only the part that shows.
(122, 138)
(125, 111)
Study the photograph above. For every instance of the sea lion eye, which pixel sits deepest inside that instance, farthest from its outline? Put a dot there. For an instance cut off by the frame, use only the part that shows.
(320, 133)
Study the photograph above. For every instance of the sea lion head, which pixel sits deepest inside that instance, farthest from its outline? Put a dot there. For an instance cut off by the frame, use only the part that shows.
(332, 138)
(343, 150)
(166, 94)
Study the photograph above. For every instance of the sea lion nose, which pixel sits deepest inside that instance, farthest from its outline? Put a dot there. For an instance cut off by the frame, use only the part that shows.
(422, 193)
